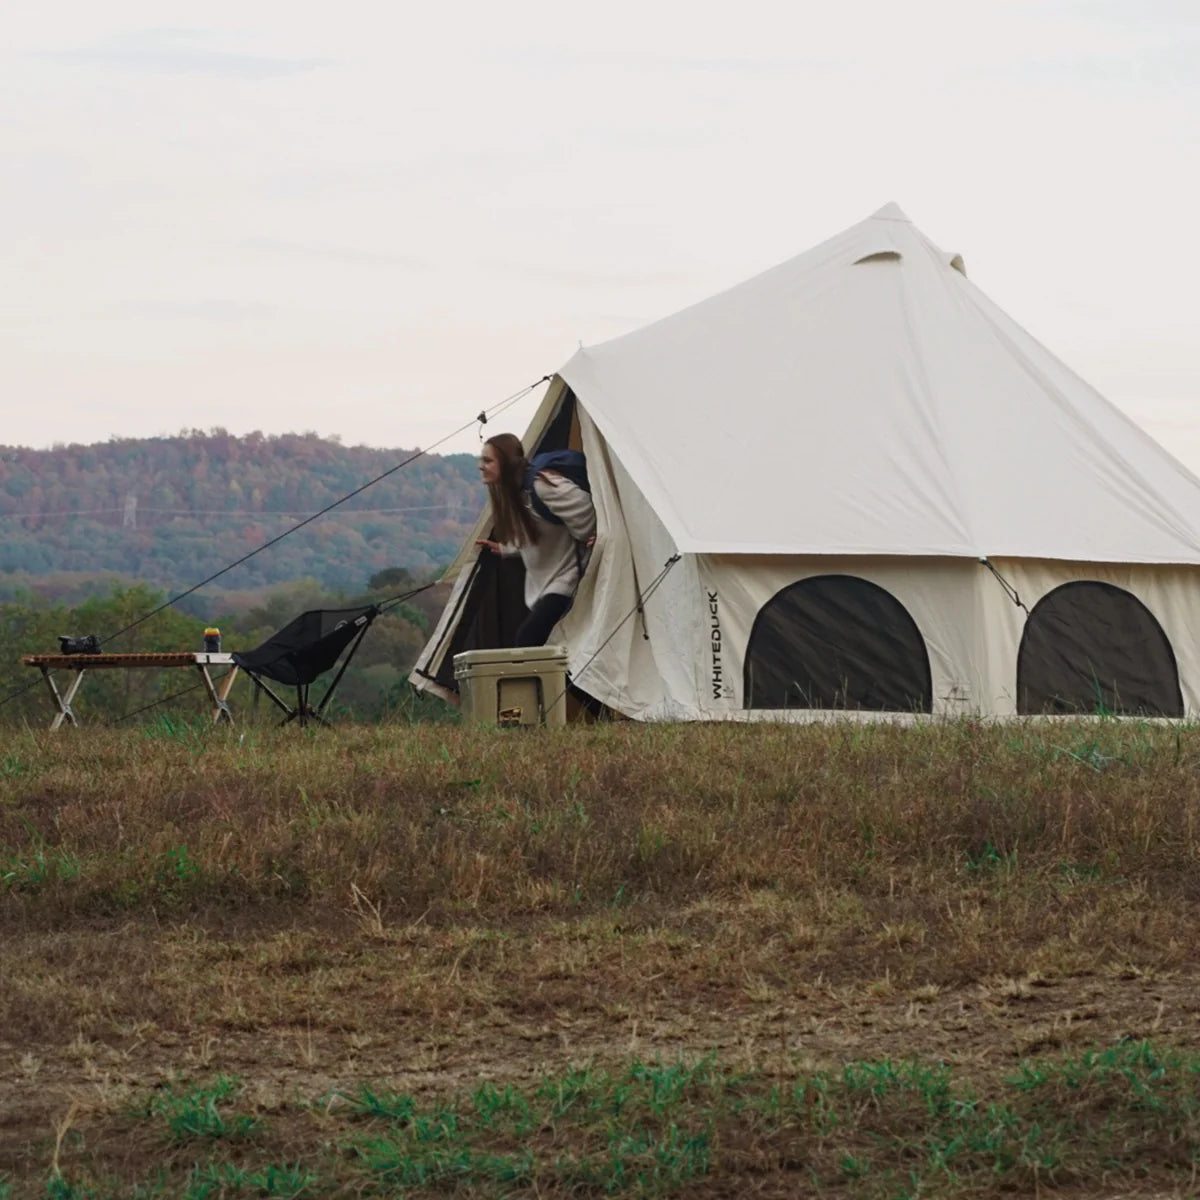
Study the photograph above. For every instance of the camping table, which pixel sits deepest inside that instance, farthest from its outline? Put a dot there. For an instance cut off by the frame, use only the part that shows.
(82, 663)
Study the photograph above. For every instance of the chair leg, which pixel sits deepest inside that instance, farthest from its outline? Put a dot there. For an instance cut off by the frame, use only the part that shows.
(304, 709)
(261, 688)
(338, 677)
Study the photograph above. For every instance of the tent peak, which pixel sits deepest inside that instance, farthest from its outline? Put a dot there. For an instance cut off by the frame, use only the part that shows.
(890, 212)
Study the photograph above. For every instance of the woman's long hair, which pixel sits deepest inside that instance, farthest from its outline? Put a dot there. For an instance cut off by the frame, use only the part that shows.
(512, 522)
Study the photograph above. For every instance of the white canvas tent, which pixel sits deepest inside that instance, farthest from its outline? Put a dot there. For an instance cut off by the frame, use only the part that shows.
(883, 494)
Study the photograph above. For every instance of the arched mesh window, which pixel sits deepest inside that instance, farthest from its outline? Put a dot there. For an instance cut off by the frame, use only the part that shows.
(837, 641)
(1091, 647)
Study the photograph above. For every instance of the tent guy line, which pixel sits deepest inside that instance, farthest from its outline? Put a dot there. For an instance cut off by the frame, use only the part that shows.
(1010, 591)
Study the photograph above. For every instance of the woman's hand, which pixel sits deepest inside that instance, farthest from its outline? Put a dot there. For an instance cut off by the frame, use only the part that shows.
(494, 547)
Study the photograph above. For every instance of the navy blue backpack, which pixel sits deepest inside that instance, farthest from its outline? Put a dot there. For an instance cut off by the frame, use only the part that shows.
(570, 464)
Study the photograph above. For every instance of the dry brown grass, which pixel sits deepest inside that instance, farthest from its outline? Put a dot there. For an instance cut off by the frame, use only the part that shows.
(430, 906)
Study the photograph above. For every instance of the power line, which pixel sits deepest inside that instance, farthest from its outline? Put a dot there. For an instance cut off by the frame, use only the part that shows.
(226, 512)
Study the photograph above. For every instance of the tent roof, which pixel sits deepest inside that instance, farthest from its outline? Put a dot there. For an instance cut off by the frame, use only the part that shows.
(866, 398)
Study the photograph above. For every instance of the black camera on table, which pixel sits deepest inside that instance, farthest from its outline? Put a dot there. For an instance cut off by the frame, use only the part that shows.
(88, 644)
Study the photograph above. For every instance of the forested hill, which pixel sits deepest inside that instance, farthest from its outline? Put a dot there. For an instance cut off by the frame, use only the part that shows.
(172, 510)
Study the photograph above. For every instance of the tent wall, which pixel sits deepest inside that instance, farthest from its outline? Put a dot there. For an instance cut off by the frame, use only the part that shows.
(971, 626)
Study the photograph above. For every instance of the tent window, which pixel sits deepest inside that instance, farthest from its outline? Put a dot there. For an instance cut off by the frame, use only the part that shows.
(1090, 647)
(837, 641)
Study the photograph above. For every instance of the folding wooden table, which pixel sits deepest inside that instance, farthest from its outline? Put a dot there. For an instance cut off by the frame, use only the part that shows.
(80, 664)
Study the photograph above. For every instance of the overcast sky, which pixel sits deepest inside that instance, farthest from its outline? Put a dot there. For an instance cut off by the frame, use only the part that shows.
(373, 219)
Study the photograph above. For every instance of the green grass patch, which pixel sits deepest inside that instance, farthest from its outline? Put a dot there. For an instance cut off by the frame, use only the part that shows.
(203, 1112)
(1109, 1117)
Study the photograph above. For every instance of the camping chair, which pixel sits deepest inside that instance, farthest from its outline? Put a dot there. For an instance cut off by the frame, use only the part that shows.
(305, 649)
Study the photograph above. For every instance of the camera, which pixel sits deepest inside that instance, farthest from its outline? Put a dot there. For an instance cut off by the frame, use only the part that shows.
(88, 644)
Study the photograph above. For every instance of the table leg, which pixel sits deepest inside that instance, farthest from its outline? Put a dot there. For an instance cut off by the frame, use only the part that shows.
(223, 694)
(62, 703)
(220, 699)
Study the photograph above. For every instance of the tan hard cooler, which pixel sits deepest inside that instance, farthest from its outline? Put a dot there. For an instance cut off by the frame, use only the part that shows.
(526, 685)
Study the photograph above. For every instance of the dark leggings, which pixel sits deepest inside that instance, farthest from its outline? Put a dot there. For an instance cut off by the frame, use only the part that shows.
(546, 612)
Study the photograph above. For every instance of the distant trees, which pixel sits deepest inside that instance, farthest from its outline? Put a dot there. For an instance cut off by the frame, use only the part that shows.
(205, 499)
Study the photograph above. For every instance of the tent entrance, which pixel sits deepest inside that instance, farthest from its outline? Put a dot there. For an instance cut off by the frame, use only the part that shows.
(491, 607)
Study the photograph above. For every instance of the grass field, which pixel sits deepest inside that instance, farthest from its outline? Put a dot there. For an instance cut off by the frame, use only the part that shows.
(856, 960)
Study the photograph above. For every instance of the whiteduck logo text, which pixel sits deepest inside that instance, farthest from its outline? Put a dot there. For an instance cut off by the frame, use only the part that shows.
(720, 689)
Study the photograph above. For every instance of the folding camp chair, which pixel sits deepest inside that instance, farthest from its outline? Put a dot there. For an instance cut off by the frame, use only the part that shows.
(305, 649)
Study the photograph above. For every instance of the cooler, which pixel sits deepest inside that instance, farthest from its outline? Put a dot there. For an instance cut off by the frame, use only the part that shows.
(526, 685)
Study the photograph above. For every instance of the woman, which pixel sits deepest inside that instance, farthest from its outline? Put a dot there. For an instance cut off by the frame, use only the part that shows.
(554, 554)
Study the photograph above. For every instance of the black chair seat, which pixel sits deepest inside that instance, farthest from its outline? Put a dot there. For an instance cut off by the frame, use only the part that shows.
(303, 650)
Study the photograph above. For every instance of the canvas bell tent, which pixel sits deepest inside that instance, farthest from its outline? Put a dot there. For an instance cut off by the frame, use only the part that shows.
(877, 492)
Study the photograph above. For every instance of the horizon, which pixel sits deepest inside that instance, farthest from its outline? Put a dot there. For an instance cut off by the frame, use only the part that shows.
(219, 432)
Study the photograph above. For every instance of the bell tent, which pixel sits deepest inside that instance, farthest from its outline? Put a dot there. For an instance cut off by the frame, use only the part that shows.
(853, 483)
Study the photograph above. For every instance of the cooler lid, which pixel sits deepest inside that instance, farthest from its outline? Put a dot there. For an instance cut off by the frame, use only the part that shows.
(514, 654)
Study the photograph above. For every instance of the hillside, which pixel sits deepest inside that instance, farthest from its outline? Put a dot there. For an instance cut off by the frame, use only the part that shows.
(171, 510)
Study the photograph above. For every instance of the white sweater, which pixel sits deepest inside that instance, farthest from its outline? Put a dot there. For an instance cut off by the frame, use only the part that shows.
(552, 565)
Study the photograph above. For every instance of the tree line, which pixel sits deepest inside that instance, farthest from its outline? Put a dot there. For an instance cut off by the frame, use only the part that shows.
(170, 511)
